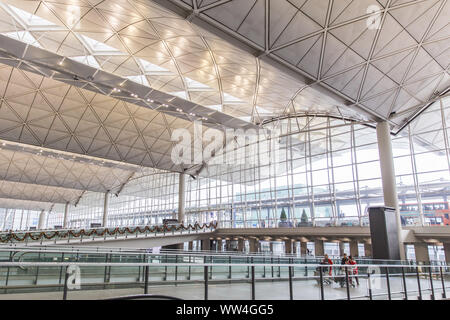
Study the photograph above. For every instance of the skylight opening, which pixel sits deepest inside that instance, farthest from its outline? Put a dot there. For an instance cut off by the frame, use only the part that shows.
(97, 47)
(217, 107)
(152, 69)
(87, 60)
(140, 79)
(23, 36)
(180, 94)
(196, 86)
(28, 19)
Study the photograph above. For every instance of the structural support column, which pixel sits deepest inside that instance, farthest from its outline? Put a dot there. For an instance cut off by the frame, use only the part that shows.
(181, 197)
(319, 248)
(367, 249)
(206, 244)
(303, 247)
(105, 209)
(241, 246)
(254, 244)
(447, 252)
(288, 246)
(354, 251)
(388, 176)
(41, 223)
(66, 216)
(421, 250)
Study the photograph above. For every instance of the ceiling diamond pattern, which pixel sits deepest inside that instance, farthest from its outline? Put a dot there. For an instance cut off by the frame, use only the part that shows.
(377, 69)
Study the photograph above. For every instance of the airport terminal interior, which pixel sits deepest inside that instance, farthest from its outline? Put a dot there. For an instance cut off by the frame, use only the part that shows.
(225, 149)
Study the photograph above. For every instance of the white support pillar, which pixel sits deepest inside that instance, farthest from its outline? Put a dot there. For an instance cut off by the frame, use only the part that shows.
(181, 197)
(66, 216)
(5, 218)
(41, 220)
(105, 209)
(388, 176)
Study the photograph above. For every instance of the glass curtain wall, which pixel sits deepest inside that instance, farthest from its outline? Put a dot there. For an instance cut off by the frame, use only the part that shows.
(326, 173)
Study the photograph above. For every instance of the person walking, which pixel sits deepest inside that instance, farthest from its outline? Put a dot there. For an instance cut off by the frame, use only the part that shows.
(354, 269)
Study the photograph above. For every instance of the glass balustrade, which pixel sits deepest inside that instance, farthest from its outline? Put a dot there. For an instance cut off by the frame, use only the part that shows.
(42, 270)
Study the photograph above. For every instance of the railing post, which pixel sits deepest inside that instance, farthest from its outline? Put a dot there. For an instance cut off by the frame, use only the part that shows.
(229, 268)
(253, 282)
(322, 296)
(176, 268)
(279, 268)
(431, 283)
(105, 276)
(165, 268)
(205, 272)
(66, 278)
(404, 283)
(347, 283)
(7, 271)
(189, 275)
(388, 283)
(61, 270)
(264, 266)
(369, 284)
(418, 283)
(37, 269)
(293, 264)
(146, 280)
(291, 293)
(306, 268)
(271, 262)
(444, 294)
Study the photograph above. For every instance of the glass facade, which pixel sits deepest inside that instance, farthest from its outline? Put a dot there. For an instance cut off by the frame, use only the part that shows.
(326, 173)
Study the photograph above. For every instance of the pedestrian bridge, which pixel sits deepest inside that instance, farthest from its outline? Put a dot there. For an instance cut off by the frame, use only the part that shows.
(158, 236)
(131, 237)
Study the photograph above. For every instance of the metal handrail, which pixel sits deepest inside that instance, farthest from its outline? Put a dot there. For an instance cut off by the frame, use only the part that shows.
(194, 254)
(245, 264)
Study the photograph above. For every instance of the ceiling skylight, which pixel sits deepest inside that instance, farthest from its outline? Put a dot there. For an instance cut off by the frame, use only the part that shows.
(28, 19)
(181, 94)
(88, 60)
(196, 86)
(23, 36)
(217, 107)
(97, 47)
(141, 79)
(153, 69)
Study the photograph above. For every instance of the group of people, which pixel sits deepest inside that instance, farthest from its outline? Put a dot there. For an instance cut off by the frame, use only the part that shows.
(348, 264)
